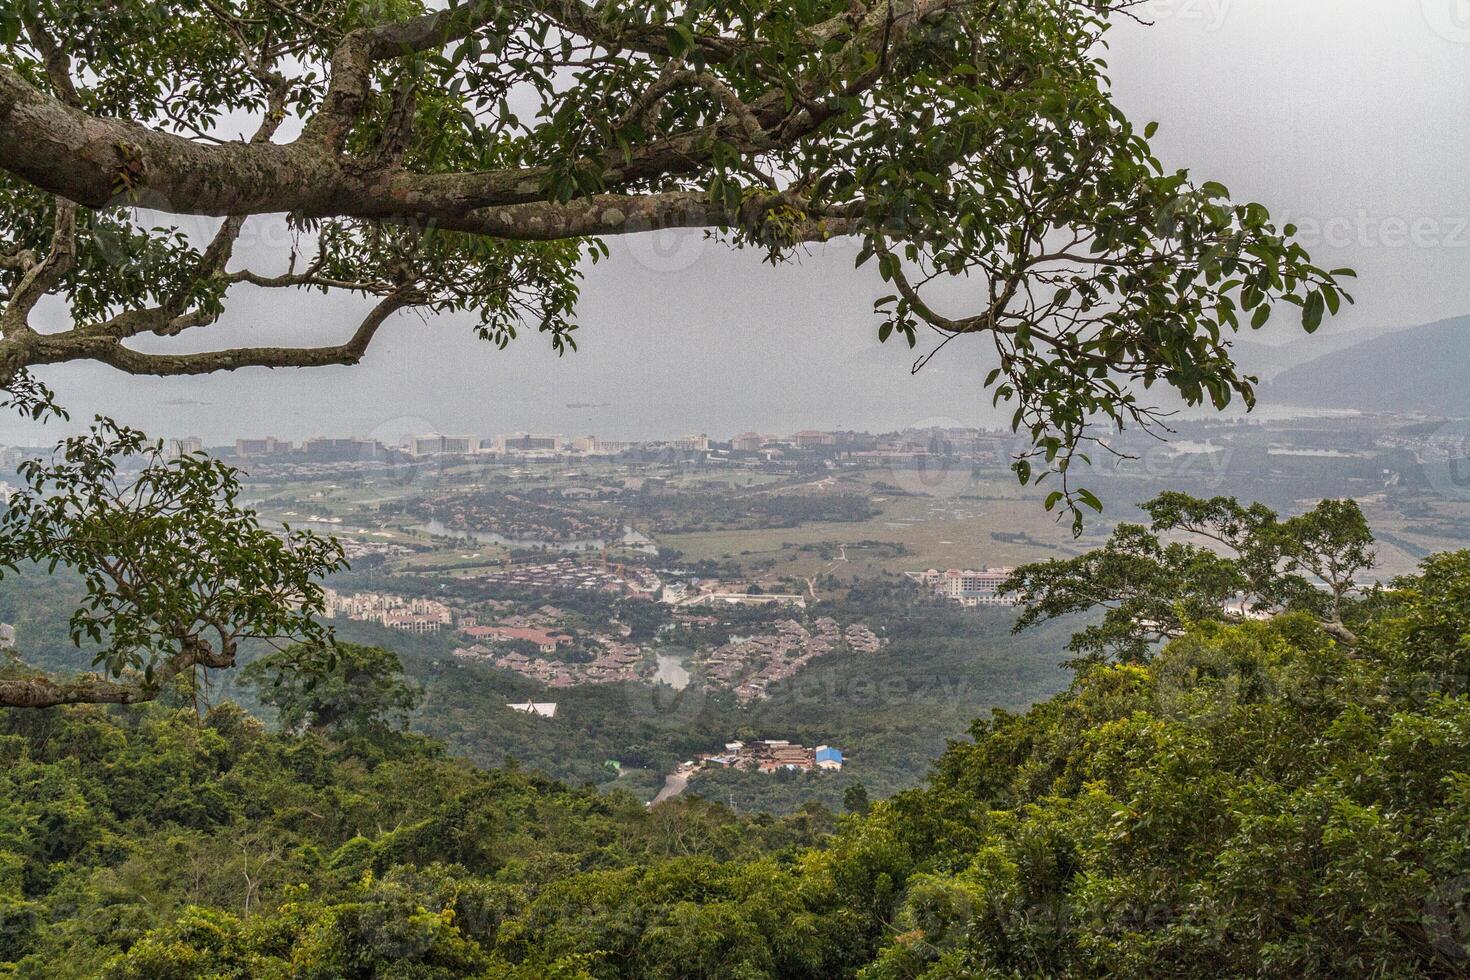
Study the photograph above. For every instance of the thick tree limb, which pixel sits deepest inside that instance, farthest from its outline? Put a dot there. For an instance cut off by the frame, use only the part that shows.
(43, 692)
(622, 214)
(77, 156)
(68, 152)
(60, 348)
(42, 277)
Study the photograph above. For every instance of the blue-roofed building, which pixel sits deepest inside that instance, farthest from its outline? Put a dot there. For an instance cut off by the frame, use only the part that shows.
(828, 758)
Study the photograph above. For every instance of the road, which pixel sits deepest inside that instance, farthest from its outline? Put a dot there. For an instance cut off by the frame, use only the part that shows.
(674, 784)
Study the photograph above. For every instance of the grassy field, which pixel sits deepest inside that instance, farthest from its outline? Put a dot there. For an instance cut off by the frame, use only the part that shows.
(1403, 540)
(976, 524)
(940, 532)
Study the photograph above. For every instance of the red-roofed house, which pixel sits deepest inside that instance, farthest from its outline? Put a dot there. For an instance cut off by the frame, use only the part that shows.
(545, 640)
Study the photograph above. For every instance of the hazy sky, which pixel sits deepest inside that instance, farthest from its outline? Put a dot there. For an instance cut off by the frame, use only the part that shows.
(1349, 117)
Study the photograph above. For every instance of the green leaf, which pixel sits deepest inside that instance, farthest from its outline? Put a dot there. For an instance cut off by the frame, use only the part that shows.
(1312, 312)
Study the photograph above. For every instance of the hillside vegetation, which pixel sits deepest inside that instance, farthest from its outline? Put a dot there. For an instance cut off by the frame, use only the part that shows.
(1255, 799)
(148, 842)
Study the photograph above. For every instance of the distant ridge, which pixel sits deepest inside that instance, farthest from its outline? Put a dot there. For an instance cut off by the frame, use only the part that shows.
(1266, 360)
(1423, 369)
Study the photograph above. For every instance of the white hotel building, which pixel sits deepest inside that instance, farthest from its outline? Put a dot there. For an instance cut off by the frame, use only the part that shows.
(967, 586)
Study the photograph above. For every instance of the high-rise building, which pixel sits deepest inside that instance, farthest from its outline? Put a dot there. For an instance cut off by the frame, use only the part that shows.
(977, 588)
(265, 446)
(699, 443)
(810, 437)
(322, 449)
(748, 442)
(525, 442)
(440, 445)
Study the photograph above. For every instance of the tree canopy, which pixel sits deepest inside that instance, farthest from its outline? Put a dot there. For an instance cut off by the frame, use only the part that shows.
(1200, 560)
(1257, 799)
(176, 573)
(468, 156)
(346, 690)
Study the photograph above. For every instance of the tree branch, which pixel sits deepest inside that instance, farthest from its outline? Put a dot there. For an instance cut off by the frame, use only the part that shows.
(43, 692)
(71, 153)
(624, 214)
(42, 277)
(58, 348)
(58, 63)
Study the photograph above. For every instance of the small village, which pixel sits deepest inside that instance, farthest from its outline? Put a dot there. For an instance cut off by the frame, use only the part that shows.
(619, 661)
(750, 665)
(538, 645)
(766, 756)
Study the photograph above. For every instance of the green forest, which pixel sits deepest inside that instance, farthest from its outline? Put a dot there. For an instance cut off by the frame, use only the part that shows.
(1256, 799)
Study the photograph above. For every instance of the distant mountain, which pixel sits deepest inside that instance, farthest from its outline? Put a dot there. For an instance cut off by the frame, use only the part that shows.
(1421, 369)
(1266, 360)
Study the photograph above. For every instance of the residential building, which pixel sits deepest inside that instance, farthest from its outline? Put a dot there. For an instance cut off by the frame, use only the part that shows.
(416, 623)
(968, 586)
(265, 446)
(544, 640)
(828, 758)
(808, 438)
(321, 449)
(435, 444)
(417, 615)
(699, 443)
(526, 442)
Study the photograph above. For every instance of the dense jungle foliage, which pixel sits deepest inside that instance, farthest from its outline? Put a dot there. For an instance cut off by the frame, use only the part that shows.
(1258, 798)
